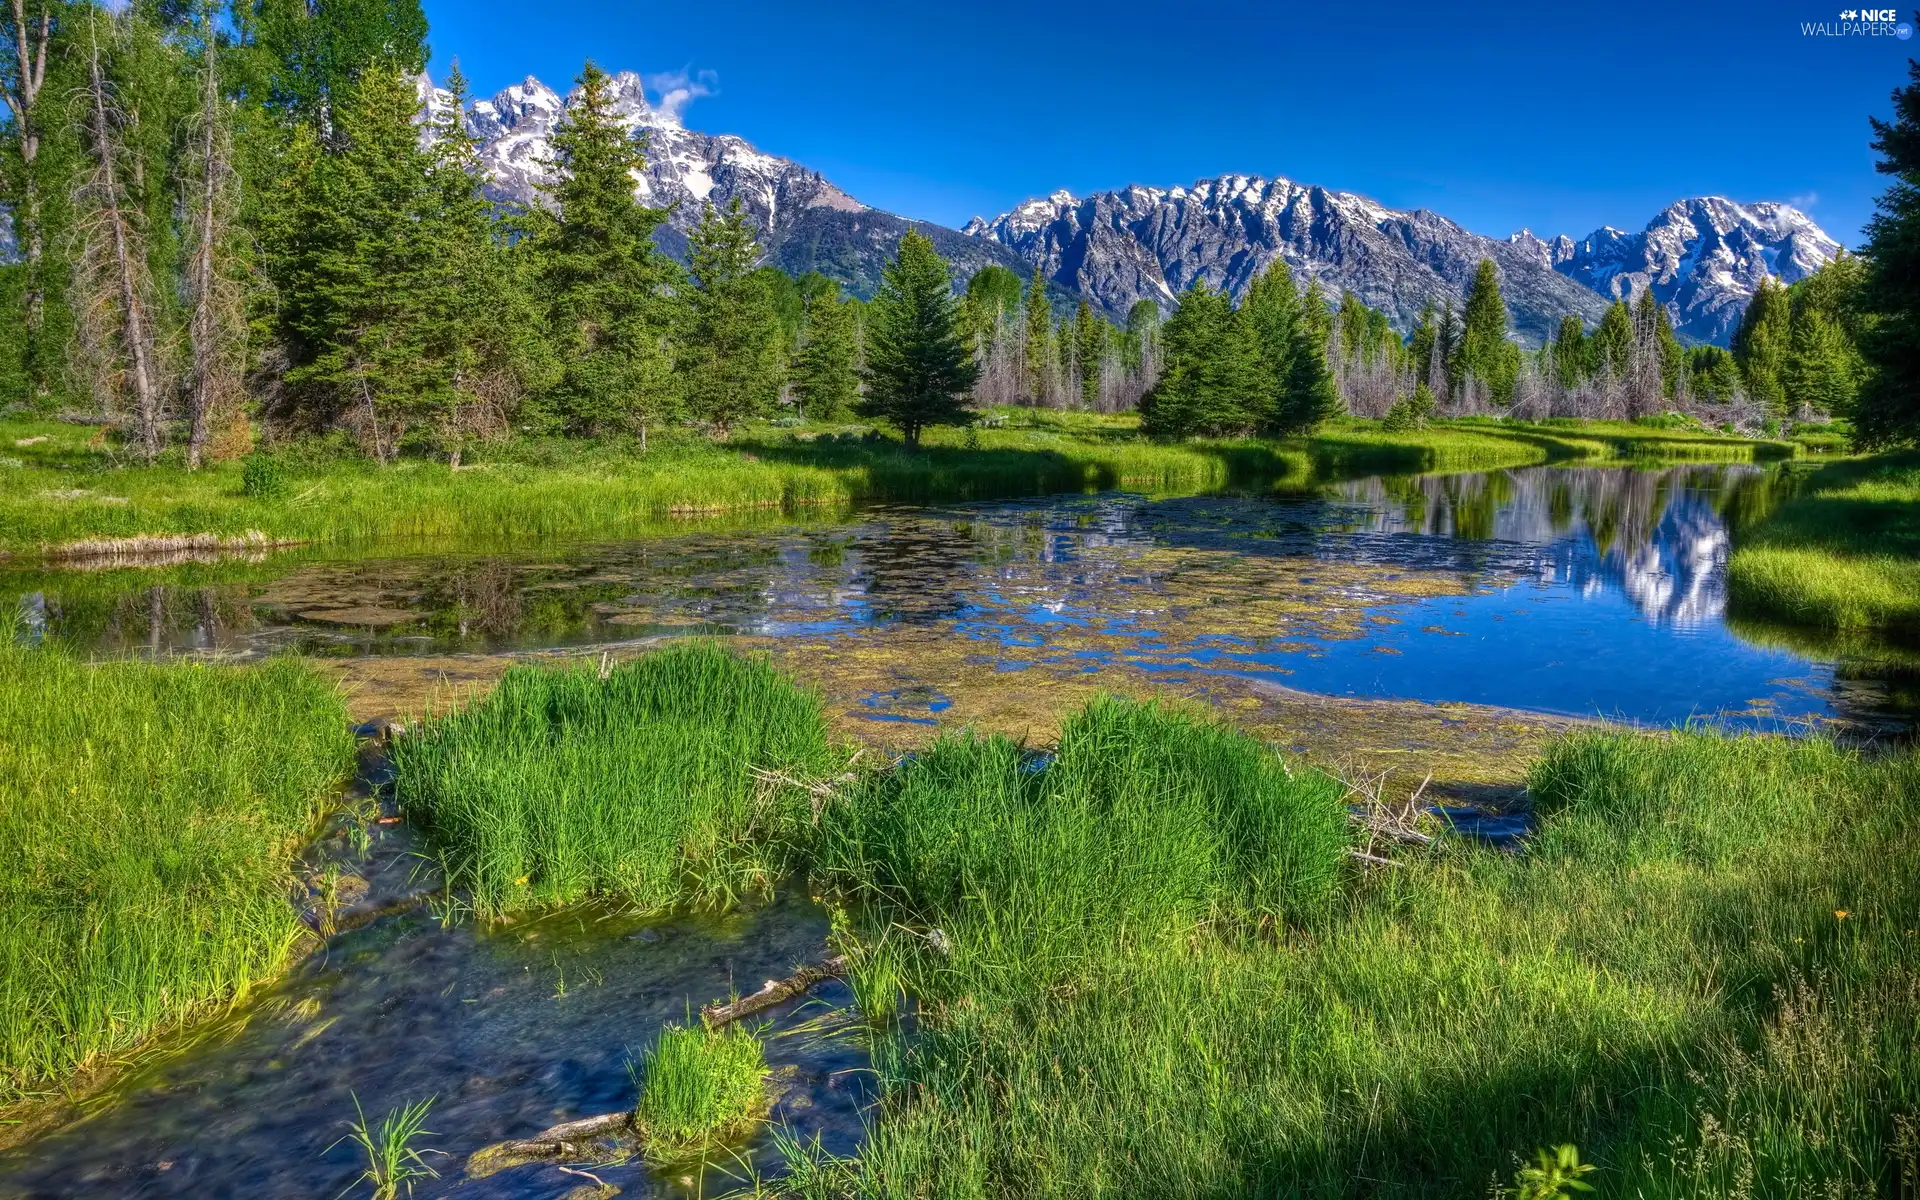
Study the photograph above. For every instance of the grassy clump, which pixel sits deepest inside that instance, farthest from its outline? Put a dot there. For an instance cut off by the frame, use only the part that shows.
(1844, 553)
(1665, 980)
(149, 816)
(699, 1089)
(563, 784)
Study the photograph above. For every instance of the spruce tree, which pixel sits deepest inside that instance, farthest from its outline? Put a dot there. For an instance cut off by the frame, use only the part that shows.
(1213, 381)
(1308, 397)
(919, 368)
(1089, 350)
(27, 34)
(1271, 309)
(1888, 411)
(315, 50)
(1761, 343)
(1420, 343)
(824, 372)
(1611, 346)
(603, 283)
(376, 297)
(1483, 352)
(730, 354)
(1039, 323)
(1570, 352)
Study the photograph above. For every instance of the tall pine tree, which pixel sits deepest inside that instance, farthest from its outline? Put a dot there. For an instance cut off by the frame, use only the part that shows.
(731, 356)
(919, 368)
(603, 283)
(1039, 327)
(1484, 354)
(1888, 411)
(1761, 344)
(1214, 380)
(825, 374)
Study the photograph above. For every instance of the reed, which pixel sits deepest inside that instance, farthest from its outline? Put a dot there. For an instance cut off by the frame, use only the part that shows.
(634, 782)
(699, 1089)
(149, 816)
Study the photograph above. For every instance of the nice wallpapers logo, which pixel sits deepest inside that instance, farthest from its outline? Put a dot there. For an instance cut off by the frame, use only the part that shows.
(1860, 22)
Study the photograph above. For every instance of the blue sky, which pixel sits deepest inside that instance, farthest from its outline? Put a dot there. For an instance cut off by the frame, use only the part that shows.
(1558, 117)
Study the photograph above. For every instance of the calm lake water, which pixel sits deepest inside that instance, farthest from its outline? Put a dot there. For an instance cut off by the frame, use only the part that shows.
(1572, 590)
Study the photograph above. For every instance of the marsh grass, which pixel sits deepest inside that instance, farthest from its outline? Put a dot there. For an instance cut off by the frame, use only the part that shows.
(149, 816)
(634, 783)
(393, 1161)
(71, 489)
(1665, 980)
(699, 1089)
(1842, 553)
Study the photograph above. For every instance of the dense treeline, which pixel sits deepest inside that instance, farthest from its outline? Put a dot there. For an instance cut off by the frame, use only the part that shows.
(241, 216)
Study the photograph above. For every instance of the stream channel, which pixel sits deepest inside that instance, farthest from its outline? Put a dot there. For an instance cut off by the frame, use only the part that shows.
(1571, 592)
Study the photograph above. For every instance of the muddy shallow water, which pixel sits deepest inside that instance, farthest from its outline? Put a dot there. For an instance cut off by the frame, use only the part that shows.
(1580, 591)
(512, 1030)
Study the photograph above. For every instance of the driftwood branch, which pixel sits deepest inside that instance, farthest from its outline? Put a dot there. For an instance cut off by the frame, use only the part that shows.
(568, 1136)
(716, 1014)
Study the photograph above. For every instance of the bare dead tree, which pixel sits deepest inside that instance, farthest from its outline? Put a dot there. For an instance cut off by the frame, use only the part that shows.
(23, 73)
(217, 327)
(112, 282)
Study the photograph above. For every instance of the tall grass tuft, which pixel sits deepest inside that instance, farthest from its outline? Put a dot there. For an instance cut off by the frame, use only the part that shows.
(1703, 973)
(393, 1162)
(148, 820)
(637, 784)
(698, 1089)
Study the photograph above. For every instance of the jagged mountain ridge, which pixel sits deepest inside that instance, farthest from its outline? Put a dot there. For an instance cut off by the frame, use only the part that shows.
(806, 222)
(1703, 258)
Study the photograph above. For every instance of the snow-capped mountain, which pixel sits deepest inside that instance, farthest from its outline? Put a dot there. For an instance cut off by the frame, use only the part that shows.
(1703, 258)
(806, 222)
(1156, 242)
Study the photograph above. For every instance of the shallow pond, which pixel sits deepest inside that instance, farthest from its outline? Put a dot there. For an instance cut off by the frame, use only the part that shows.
(1584, 591)
(511, 1030)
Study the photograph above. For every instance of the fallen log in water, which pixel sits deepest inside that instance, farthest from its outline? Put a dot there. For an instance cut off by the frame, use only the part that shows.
(717, 1014)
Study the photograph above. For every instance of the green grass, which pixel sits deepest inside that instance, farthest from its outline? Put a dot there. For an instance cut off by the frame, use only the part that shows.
(1842, 553)
(64, 492)
(149, 816)
(66, 489)
(699, 1089)
(561, 784)
(1663, 981)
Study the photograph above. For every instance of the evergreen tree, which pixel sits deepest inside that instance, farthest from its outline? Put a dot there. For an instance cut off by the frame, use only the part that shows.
(1888, 412)
(1611, 346)
(993, 299)
(1712, 375)
(315, 50)
(1271, 309)
(1352, 321)
(1761, 343)
(1089, 350)
(1483, 352)
(824, 371)
(730, 356)
(1039, 323)
(1421, 342)
(27, 34)
(376, 299)
(1214, 380)
(918, 368)
(601, 280)
(1570, 352)
(1309, 397)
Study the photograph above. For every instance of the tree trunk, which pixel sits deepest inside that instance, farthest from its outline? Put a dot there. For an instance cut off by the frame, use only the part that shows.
(205, 330)
(134, 332)
(30, 60)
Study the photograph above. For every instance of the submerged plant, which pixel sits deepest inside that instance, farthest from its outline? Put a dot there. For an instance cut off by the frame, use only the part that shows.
(393, 1163)
(698, 1088)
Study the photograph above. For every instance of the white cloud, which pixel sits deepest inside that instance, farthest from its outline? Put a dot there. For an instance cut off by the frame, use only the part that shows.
(677, 89)
(1804, 201)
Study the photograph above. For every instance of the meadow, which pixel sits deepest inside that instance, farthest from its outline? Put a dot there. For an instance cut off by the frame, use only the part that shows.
(1148, 962)
(1842, 552)
(149, 818)
(65, 492)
